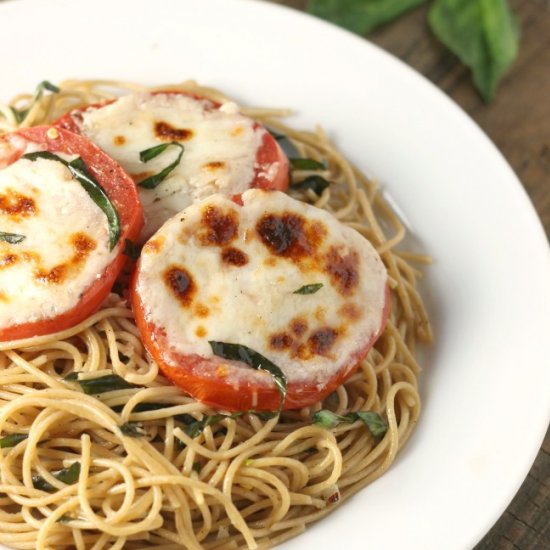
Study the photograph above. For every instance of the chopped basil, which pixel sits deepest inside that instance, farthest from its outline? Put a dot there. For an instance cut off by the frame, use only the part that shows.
(194, 427)
(197, 466)
(146, 407)
(80, 172)
(264, 416)
(20, 114)
(12, 440)
(131, 429)
(374, 422)
(131, 249)
(316, 183)
(66, 475)
(305, 164)
(149, 154)
(102, 384)
(65, 519)
(309, 289)
(286, 145)
(12, 238)
(238, 352)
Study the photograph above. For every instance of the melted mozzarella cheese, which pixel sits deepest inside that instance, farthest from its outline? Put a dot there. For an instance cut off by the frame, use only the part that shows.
(65, 246)
(221, 272)
(220, 148)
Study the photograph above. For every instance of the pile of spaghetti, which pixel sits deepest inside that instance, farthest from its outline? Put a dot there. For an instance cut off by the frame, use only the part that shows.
(122, 459)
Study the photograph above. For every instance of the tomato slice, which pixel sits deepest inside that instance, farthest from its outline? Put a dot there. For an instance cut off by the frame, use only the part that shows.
(255, 394)
(269, 152)
(122, 193)
(225, 278)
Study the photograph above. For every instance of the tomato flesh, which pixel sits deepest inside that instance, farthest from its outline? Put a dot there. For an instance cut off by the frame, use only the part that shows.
(121, 191)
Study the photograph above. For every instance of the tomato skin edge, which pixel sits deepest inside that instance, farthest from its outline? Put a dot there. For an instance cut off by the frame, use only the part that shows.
(121, 191)
(268, 152)
(222, 396)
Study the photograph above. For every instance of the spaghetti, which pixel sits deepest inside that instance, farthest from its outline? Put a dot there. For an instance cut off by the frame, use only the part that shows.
(145, 466)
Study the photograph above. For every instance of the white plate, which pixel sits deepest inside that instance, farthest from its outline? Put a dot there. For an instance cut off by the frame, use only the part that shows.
(487, 381)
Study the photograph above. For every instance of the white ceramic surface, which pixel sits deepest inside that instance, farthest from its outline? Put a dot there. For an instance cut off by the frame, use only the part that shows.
(486, 383)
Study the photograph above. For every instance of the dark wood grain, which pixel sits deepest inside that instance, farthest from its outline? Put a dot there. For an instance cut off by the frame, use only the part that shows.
(518, 122)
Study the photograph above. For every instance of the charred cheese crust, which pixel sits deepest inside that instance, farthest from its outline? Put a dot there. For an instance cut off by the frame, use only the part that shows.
(220, 148)
(223, 272)
(65, 245)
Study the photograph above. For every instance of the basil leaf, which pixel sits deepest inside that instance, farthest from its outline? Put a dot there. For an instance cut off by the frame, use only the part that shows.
(238, 352)
(483, 34)
(131, 249)
(195, 427)
(131, 429)
(103, 384)
(12, 238)
(305, 164)
(65, 519)
(316, 183)
(374, 422)
(68, 475)
(265, 415)
(360, 16)
(12, 440)
(197, 466)
(146, 407)
(44, 85)
(289, 149)
(149, 154)
(80, 172)
(309, 289)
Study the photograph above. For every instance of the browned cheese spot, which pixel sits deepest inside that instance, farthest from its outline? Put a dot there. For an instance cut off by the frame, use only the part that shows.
(290, 235)
(154, 245)
(201, 310)
(280, 341)
(237, 131)
(218, 228)
(213, 166)
(53, 276)
(351, 311)
(180, 282)
(200, 331)
(119, 140)
(343, 270)
(4, 297)
(8, 260)
(234, 256)
(167, 132)
(298, 326)
(321, 341)
(17, 206)
(320, 313)
(83, 245)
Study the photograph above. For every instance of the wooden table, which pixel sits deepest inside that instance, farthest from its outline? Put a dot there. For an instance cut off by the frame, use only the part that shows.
(518, 122)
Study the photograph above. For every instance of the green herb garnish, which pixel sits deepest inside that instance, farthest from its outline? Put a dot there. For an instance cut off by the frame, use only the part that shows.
(374, 422)
(131, 429)
(483, 34)
(12, 238)
(238, 352)
(131, 249)
(316, 183)
(102, 384)
(80, 172)
(20, 114)
(146, 407)
(309, 289)
(285, 143)
(12, 440)
(153, 152)
(305, 164)
(68, 475)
